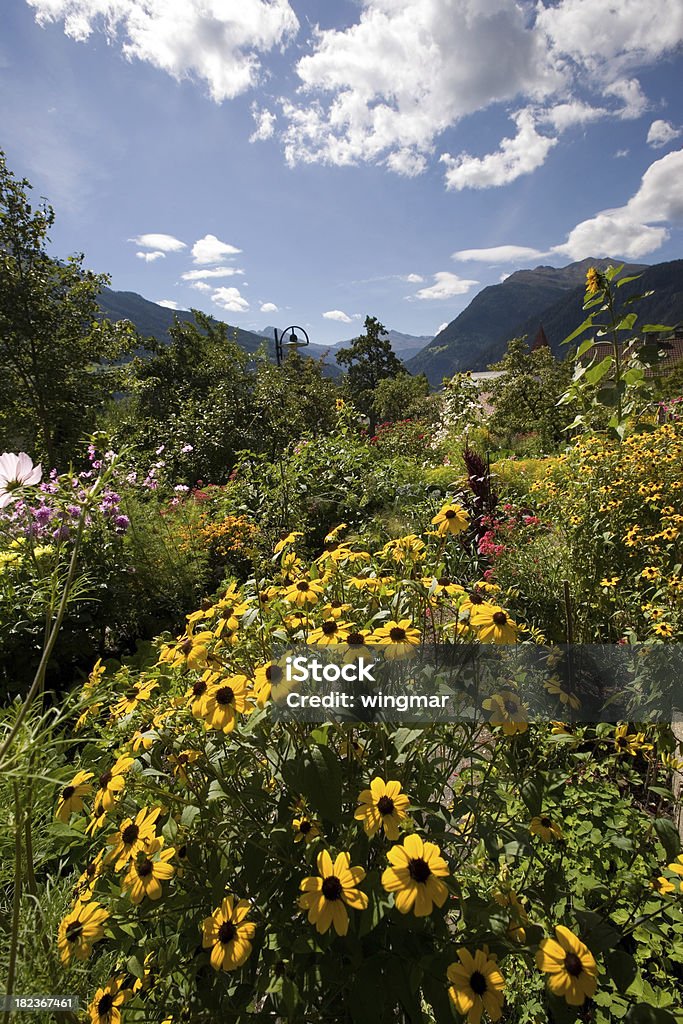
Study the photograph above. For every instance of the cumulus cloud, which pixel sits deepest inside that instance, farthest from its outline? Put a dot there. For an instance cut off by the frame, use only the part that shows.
(498, 254)
(210, 249)
(201, 275)
(150, 257)
(209, 40)
(168, 303)
(565, 115)
(661, 133)
(164, 243)
(518, 155)
(201, 286)
(230, 299)
(441, 327)
(413, 278)
(337, 314)
(269, 307)
(445, 286)
(630, 92)
(265, 123)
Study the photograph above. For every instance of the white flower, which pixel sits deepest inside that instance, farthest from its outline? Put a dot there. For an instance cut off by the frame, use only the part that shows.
(16, 471)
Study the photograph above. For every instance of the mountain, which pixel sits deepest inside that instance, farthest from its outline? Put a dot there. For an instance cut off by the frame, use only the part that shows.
(153, 320)
(405, 346)
(552, 296)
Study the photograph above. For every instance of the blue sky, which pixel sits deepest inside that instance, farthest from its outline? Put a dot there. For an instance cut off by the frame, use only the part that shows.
(279, 161)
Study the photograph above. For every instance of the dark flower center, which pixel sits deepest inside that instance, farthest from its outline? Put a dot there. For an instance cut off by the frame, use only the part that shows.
(68, 792)
(227, 932)
(225, 696)
(302, 585)
(546, 822)
(74, 931)
(144, 868)
(104, 1005)
(186, 647)
(199, 688)
(419, 869)
(385, 805)
(500, 618)
(622, 742)
(263, 597)
(573, 965)
(227, 613)
(330, 628)
(335, 604)
(450, 514)
(332, 888)
(182, 852)
(510, 706)
(105, 779)
(274, 674)
(305, 827)
(132, 693)
(355, 640)
(91, 869)
(478, 983)
(130, 834)
(397, 635)
(443, 581)
(476, 598)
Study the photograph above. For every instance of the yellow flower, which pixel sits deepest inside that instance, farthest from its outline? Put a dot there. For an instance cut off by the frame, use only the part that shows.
(451, 519)
(269, 681)
(477, 985)
(663, 886)
(492, 624)
(181, 761)
(131, 698)
(324, 895)
(106, 1005)
(554, 687)
(71, 798)
(286, 541)
(663, 629)
(228, 935)
(650, 572)
(545, 828)
(594, 282)
(399, 638)
(85, 886)
(677, 866)
(305, 829)
(609, 581)
(145, 875)
(330, 632)
(224, 701)
(189, 651)
(627, 742)
(112, 784)
(80, 930)
(507, 710)
(303, 592)
(132, 836)
(415, 875)
(382, 806)
(336, 609)
(570, 966)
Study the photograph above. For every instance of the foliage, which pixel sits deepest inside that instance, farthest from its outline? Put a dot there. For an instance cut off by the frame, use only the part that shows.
(58, 356)
(368, 359)
(402, 397)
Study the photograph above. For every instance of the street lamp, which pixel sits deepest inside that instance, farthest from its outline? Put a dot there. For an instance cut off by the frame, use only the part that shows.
(292, 343)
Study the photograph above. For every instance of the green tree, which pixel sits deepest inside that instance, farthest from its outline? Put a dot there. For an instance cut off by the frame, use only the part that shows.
(401, 397)
(57, 355)
(369, 359)
(525, 396)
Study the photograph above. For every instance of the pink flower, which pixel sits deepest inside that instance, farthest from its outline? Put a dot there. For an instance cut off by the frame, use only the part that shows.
(16, 471)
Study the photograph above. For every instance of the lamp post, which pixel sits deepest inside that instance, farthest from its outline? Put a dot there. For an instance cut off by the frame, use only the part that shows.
(292, 343)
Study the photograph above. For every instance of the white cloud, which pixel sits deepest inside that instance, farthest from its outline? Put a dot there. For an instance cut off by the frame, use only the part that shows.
(565, 115)
(338, 314)
(620, 153)
(150, 257)
(631, 231)
(201, 275)
(269, 307)
(165, 243)
(441, 327)
(210, 40)
(168, 303)
(445, 286)
(383, 89)
(210, 249)
(230, 299)
(413, 278)
(498, 254)
(629, 91)
(516, 156)
(661, 133)
(265, 123)
(201, 286)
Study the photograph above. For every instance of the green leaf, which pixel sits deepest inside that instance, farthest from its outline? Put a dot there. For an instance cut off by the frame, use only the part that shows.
(322, 783)
(625, 280)
(626, 322)
(644, 1013)
(598, 933)
(654, 328)
(612, 272)
(621, 967)
(668, 836)
(596, 373)
(584, 346)
(588, 322)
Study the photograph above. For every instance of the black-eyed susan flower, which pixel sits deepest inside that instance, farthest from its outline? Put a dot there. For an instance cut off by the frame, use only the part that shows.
(148, 870)
(383, 805)
(111, 784)
(570, 966)
(326, 895)
(85, 886)
(71, 797)
(417, 868)
(554, 687)
(224, 701)
(400, 638)
(545, 828)
(609, 582)
(228, 934)
(663, 885)
(287, 541)
(650, 573)
(451, 519)
(507, 710)
(190, 651)
(477, 985)
(107, 1002)
(80, 930)
(182, 761)
(493, 624)
(332, 631)
(304, 591)
(133, 835)
(134, 695)
(196, 694)
(632, 743)
(663, 630)
(305, 829)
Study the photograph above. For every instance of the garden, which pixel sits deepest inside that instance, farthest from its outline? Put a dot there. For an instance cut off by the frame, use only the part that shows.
(173, 850)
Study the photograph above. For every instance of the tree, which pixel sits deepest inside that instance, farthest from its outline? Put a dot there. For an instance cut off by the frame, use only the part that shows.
(525, 396)
(57, 355)
(401, 397)
(369, 359)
